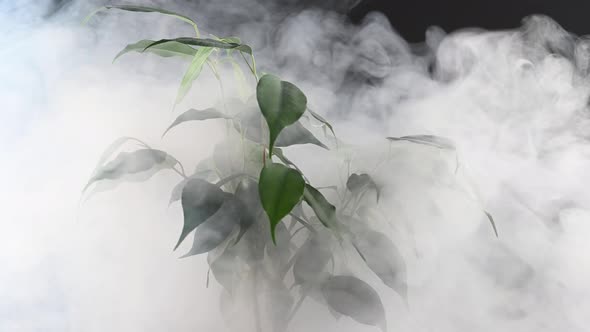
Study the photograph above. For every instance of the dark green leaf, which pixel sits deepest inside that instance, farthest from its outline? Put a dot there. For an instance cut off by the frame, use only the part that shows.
(280, 188)
(325, 211)
(384, 259)
(357, 182)
(213, 231)
(193, 71)
(355, 298)
(204, 42)
(164, 50)
(129, 163)
(311, 261)
(196, 115)
(435, 141)
(281, 104)
(200, 200)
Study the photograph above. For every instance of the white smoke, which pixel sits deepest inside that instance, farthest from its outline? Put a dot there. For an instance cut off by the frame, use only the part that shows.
(514, 102)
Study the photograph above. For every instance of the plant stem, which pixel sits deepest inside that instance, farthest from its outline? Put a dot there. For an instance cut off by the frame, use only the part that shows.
(296, 307)
(256, 304)
(303, 222)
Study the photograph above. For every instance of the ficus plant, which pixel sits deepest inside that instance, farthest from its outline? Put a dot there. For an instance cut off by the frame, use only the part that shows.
(270, 235)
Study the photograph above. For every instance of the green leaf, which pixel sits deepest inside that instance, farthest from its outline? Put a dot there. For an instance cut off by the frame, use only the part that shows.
(250, 122)
(311, 261)
(358, 182)
(435, 141)
(213, 231)
(200, 200)
(280, 188)
(322, 120)
(223, 267)
(196, 115)
(325, 211)
(130, 163)
(356, 299)
(193, 72)
(297, 134)
(250, 206)
(144, 9)
(281, 104)
(164, 50)
(384, 259)
(177, 190)
(204, 42)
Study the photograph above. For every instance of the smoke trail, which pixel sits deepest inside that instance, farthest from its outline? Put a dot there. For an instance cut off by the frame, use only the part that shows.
(513, 102)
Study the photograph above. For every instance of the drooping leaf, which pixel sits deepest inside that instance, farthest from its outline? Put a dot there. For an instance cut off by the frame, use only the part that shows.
(114, 147)
(193, 71)
(435, 141)
(297, 134)
(357, 182)
(250, 121)
(281, 104)
(213, 231)
(492, 222)
(129, 163)
(384, 259)
(200, 200)
(177, 190)
(311, 261)
(325, 211)
(250, 206)
(196, 115)
(164, 50)
(205, 42)
(223, 266)
(144, 9)
(356, 299)
(280, 188)
(322, 120)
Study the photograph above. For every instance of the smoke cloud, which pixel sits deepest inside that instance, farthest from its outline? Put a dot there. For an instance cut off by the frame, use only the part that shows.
(515, 104)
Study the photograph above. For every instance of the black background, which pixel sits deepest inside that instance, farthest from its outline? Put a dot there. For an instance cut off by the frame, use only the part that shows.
(411, 18)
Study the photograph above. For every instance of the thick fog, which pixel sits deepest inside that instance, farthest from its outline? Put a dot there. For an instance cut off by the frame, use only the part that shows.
(515, 104)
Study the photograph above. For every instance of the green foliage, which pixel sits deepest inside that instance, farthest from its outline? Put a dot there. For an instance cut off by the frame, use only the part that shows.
(193, 71)
(383, 258)
(129, 163)
(196, 115)
(168, 49)
(200, 200)
(223, 43)
(355, 298)
(280, 190)
(325, 211)
(281, 104)
(144, 9)
(435, 141)
(358, 182)
(236, 202)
